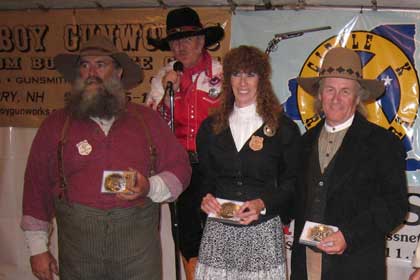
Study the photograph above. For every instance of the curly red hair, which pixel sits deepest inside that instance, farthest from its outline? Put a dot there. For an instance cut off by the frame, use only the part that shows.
(248, 59)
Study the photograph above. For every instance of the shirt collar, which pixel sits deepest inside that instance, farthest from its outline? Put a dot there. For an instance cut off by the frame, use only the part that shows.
(203, 65)
(341, 126)
(245, 112)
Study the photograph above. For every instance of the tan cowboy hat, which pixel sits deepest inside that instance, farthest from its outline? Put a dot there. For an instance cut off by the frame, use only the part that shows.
(343, 63)
(185, 22)
(98, 45)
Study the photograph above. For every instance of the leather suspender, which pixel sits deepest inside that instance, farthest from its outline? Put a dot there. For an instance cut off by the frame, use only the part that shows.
(152, 147)
(60, 151)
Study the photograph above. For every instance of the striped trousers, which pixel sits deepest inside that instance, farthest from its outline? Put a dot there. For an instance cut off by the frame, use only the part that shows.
(116, 244)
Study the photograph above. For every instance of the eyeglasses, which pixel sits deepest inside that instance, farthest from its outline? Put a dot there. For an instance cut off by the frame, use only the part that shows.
(182, 41)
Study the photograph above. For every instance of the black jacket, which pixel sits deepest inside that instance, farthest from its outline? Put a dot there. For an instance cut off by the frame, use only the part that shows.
(366, 199)
(269, 174)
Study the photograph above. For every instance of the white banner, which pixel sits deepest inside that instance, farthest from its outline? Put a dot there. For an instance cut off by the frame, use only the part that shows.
(388, 45)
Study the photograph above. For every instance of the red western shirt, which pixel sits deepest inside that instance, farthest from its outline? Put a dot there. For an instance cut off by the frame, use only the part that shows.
(88, 152)
(198, 94)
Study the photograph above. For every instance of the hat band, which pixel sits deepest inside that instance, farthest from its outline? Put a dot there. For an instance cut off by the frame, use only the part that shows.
(186, 28)
(331, 71)
(95, 50)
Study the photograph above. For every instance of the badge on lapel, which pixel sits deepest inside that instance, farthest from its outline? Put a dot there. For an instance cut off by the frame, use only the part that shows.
(256, 143)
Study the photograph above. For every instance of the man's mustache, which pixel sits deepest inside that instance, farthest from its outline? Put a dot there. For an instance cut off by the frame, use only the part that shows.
(92, 80)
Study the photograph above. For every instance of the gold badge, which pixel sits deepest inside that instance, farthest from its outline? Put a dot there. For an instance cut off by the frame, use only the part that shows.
(256, 143)
(114, 182)
(228, 210)
(84, 148)
(268, 131)
(319, 232)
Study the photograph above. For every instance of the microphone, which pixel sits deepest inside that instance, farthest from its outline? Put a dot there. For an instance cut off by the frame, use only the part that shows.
(177, 67)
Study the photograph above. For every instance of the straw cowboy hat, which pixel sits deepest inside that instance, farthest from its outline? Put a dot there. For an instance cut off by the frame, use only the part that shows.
(98, 45)
(343, 63)
(185, 22)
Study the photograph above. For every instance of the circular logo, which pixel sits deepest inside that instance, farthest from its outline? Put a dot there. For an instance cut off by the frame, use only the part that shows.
(381, 59)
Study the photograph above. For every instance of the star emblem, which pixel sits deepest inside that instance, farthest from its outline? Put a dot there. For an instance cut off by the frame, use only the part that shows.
(387, 81)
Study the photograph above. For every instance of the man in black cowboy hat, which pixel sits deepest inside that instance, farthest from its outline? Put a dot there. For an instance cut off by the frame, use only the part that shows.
(352, 178)
(100, 166)
(197, 90)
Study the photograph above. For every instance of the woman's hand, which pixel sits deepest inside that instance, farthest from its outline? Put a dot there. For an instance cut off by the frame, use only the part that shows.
(209, 204)
(250, 211)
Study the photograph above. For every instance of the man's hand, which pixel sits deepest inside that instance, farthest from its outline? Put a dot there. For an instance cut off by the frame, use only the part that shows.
(209, 204)
(150, 102)
(334, 244)
(44, 265)
(140, 189)
(415, 275)
(173, 77)
(250, 211)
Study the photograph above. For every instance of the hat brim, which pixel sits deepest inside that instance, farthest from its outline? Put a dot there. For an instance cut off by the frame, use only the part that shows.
(67, 65)
(374, 88)
(213, 34)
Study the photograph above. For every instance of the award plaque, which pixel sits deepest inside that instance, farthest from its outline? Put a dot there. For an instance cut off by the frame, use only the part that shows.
(117, 181)
(227, 213)
(313, 233)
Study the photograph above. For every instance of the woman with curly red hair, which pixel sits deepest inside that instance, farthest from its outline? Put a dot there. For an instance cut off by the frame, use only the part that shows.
(248, 154)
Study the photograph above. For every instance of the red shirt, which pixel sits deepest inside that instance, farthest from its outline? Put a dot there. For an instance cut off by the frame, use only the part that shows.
(125, 146)
(197, 95)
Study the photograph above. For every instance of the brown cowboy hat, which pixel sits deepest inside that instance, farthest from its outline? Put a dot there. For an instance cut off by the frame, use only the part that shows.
(343, 63)
(185, 22)
(98, 45)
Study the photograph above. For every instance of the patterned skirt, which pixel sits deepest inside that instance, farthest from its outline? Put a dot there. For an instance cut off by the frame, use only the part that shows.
(242, 252)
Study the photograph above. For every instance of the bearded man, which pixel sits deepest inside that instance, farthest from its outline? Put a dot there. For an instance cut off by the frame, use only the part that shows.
(101, 166)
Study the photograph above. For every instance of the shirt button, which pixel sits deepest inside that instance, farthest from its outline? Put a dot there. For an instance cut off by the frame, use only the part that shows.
(321, 183)
(239, 183)
(238, 193)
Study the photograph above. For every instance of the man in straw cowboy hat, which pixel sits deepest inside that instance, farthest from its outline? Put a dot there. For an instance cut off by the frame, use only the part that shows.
(101, 165)
(197, 88)
(352, 178)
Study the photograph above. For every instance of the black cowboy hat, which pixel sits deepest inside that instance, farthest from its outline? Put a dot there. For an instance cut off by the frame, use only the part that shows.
(185, 22)
(67, 63)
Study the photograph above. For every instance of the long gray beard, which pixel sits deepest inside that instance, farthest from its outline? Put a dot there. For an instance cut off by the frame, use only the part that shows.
(108, 101)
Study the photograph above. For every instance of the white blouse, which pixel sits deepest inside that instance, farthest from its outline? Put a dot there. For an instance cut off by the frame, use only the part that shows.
(243, 122)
